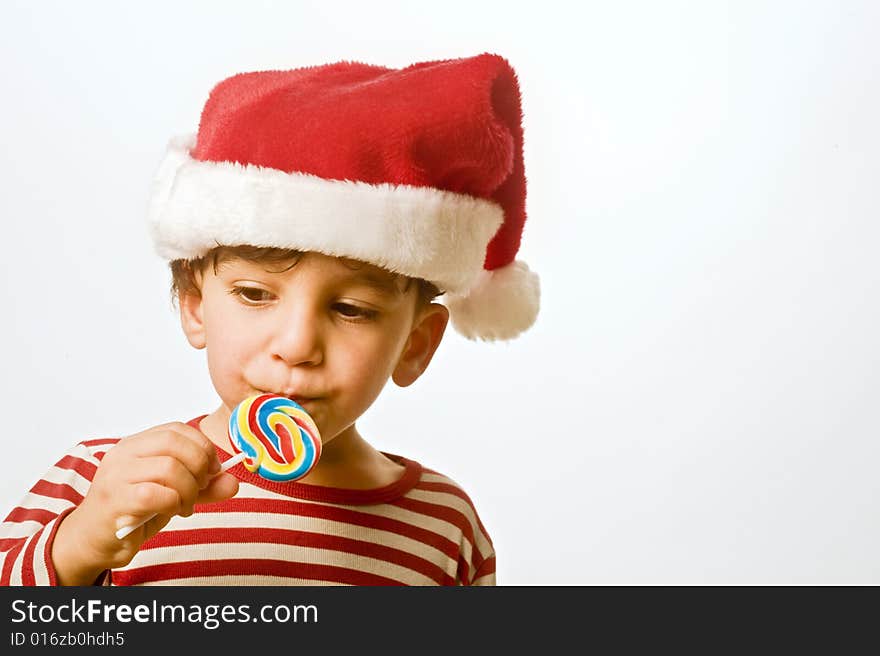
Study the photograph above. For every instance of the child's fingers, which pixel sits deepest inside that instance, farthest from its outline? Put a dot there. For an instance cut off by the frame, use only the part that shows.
(147, 499)
(176, 428)
(160, 472)
(159, 502)
(223, 486)
(201, 441)
(195, 452)
(169, 472)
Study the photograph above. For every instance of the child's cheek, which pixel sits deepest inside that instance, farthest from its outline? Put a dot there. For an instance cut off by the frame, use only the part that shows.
(229, 346)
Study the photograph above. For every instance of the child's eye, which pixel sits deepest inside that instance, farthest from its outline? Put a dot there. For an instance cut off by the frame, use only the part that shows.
(350, 311)
(251, 295)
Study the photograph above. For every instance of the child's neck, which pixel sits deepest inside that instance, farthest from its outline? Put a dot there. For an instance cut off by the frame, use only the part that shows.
(347, 460)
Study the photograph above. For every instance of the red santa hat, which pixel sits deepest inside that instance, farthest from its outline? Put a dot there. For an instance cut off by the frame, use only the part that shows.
(417, 170)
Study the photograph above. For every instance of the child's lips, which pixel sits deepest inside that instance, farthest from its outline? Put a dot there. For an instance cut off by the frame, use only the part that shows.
(296, 397)
(302, 399)
(311, 406)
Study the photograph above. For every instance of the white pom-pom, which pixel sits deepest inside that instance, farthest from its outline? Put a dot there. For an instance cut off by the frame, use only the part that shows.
(500, 305)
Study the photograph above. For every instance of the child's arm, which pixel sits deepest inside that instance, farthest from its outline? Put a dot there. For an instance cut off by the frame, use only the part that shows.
(485, 574)
(64, 531)
(29, 528)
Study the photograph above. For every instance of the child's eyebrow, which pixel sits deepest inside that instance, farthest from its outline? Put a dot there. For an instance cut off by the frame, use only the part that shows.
(383, 283)
(246, 265)
(379, 282)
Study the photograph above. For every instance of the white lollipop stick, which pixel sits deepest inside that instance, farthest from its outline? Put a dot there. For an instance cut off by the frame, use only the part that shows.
(125, 530)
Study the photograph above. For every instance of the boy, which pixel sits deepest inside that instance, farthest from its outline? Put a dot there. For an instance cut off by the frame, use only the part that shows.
(309, 228)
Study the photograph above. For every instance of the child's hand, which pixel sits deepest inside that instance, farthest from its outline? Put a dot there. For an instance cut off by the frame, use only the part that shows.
(162, 471)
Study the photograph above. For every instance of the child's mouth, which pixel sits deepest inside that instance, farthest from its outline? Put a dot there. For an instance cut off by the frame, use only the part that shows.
(296, 398)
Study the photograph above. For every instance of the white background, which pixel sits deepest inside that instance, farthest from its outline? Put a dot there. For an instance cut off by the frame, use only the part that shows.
(698, 401)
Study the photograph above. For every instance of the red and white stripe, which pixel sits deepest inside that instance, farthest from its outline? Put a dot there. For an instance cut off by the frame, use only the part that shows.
(429, 534)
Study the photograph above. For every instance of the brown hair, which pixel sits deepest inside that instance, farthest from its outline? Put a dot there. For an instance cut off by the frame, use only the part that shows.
(183, 272)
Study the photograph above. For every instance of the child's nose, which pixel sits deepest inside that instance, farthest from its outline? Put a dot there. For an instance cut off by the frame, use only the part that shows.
(298, 338)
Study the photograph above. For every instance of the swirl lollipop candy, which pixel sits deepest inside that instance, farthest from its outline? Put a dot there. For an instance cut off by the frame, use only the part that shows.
(273, 436)
(278, 438)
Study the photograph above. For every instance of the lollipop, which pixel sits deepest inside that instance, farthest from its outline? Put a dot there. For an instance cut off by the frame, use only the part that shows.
(278, 438)
(273, 436)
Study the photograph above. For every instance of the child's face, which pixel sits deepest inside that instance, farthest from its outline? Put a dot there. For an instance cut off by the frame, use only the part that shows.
(324, 333)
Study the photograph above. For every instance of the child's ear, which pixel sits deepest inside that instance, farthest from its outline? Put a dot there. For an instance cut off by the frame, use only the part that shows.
(191, 318)
(421, 345)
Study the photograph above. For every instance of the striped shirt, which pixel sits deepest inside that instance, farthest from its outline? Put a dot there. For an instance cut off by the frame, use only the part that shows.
(420, 530)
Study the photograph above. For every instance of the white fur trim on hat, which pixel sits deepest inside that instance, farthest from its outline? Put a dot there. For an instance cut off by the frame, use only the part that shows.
(503, 303)
(421, 232)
